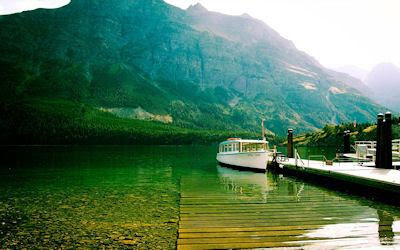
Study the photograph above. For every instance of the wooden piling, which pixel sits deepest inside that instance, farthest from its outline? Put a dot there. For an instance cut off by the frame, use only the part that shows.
(379, 146)
(387, 141)
(263, 129)
(346, 146)
(290, 143)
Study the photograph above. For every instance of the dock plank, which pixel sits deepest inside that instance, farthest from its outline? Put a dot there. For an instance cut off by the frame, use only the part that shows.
(247, 229)
(255, 238)
(237, 245)
(255, 223)
(240, 234)
(228, 210)
(218, 216)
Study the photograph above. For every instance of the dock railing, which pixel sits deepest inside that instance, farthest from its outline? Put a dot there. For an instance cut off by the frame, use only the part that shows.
(364, 148)
(317, 156)
(297, 159)
(370, 144)
(340, 158)
(396, 149)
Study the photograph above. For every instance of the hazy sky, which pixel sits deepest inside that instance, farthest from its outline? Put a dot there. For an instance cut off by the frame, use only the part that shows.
(12, 6)
(336, 32)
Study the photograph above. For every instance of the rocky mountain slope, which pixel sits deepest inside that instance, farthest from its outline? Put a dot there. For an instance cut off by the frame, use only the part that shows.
(194, 68)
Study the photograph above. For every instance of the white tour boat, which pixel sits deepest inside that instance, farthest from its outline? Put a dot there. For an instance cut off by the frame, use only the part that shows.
(241, 153)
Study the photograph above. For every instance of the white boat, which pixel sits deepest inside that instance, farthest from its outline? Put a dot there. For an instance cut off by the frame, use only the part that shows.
(241, 153)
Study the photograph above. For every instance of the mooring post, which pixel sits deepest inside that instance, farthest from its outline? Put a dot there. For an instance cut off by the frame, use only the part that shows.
(290, 143)
(387, 141)
(379, 124)
(263, 129)
(346, 145)
(295, 157)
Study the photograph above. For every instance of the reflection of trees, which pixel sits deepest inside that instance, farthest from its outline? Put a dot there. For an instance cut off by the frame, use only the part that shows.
(385, 229)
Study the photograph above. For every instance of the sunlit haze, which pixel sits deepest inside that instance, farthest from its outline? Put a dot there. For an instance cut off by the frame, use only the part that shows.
(362, 33)
(336, 32)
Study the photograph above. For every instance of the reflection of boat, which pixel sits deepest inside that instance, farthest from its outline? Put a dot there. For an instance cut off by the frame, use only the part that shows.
(238, 153)
(245, 180)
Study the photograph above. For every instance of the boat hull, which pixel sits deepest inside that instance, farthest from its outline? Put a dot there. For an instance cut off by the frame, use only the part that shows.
(251, 160)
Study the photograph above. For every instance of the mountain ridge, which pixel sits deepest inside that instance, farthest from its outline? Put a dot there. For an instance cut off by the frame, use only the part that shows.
(204, 69)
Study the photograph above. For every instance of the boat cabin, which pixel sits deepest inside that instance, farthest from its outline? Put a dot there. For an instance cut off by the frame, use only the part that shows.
(238, 146)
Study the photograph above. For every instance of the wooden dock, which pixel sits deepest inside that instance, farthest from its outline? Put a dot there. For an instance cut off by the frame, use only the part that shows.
(358, 173)
(249, 210)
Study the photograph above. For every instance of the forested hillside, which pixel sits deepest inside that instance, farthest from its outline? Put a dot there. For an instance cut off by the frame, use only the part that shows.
(43, 121)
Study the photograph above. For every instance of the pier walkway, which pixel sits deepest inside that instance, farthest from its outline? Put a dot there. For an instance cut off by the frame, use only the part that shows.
(362, 173)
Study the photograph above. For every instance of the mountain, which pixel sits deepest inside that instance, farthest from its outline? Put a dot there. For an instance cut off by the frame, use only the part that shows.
(350, 81)
(384, 81)
(353, 71)
(197, 69)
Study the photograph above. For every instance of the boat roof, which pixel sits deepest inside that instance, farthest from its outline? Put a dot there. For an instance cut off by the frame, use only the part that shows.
(244, 140)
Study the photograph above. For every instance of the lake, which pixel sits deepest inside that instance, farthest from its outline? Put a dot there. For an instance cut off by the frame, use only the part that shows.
(139, 196)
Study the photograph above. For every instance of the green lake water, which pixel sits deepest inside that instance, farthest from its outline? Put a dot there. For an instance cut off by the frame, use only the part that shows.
(129, 197)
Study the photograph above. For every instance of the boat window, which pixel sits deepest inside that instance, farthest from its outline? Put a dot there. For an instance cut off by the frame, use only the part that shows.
(246, 147)
(235, 147)
(250, 147)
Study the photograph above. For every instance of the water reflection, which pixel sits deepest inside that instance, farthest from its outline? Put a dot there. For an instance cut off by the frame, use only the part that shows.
(385, 229)
(245, 181)
(325, 218)
(98, 197)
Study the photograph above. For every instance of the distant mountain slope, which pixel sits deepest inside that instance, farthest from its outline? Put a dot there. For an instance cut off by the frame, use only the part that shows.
(354, 71)
(351, 81)
(384, 81)
(196, 68)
